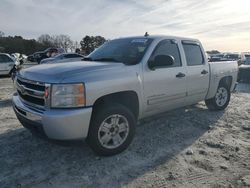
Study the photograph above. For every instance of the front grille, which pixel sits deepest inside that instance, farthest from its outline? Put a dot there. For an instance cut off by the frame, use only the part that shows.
(31, 92)
(30, 99)
(31, 85)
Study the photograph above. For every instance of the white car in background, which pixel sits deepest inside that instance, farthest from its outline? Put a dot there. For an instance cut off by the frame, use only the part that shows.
(64, 57)
(6, 63)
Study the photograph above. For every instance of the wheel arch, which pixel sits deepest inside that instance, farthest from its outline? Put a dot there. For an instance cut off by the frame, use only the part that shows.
(127, 98)
(226, 81)
(213, 86)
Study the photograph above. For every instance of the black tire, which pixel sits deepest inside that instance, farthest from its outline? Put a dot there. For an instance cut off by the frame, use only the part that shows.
(101, 115)
(213, 105)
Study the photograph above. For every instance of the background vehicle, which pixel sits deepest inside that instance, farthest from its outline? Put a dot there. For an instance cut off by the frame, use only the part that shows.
(122, 81)
(244, 68)
(49, 52)
(216, 57)
(231, 56)
(65, 57)
(6, 64)
(19, 59)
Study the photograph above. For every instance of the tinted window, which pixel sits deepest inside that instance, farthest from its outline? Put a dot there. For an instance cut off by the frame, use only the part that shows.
(72, 56)
(193, 54)
(247, 61)
(5, 59)
(1, 59)
(130, 51)
(168, 47)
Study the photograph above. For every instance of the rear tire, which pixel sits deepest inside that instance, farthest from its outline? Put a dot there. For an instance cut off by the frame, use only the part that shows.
(221, 99)
(111, 130)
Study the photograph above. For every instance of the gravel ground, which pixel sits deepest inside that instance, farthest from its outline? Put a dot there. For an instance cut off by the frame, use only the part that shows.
(188, 147)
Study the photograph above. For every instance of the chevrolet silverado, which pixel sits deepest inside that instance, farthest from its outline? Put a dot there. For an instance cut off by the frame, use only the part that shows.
(101, 97)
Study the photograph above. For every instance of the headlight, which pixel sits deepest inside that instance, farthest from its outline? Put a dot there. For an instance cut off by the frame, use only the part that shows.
(67, 95)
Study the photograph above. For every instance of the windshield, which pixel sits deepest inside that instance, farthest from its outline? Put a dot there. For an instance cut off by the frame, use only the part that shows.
(128, 51)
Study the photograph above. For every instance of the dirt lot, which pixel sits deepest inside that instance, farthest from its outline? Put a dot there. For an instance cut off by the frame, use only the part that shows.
(188, 147)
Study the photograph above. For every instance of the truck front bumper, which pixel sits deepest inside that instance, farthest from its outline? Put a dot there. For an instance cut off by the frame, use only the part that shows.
(58, 124)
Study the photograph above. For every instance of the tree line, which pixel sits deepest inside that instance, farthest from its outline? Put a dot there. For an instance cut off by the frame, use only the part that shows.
(17, 44)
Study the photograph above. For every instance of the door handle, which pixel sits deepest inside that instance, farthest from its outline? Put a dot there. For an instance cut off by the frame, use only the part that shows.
(180, 75)
(204, 72)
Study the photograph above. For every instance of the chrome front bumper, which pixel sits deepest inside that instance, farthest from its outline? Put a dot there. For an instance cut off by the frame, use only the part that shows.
(59, 124)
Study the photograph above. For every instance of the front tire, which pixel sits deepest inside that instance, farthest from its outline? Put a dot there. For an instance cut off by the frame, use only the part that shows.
(111, 130)
(221, 99)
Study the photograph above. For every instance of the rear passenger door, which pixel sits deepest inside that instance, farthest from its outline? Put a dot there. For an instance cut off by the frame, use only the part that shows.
(197, 72)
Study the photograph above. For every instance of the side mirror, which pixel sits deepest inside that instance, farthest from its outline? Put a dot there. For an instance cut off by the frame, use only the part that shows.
(161, 61)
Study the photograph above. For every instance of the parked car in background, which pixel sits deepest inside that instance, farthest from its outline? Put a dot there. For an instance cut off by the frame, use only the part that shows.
(6, 64)
(231, 56)
(49, 52)
(244, 68)
(19, 57)
(124, 80)
(65, 57)
(216, 57)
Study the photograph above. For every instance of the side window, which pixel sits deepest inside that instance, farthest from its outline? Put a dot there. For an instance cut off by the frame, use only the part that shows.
(71, 56)
(5, 59)
(1, 59)
(66, 56)
(168, 47)
(75, 55)
(193, 54)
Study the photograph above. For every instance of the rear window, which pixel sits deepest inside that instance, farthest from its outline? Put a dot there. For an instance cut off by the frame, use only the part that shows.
(193, 54)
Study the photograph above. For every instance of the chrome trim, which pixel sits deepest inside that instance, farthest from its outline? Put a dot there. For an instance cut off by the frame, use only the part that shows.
(30, 81)
(23, 89)
(29, 104)
(27, 91)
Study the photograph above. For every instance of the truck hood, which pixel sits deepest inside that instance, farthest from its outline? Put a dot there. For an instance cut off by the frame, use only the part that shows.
(56, 73)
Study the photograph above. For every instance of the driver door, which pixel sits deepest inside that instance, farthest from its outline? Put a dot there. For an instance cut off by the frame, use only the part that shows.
(165, 87)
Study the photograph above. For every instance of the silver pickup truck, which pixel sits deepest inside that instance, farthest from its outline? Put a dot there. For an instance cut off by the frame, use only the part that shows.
(101, 97)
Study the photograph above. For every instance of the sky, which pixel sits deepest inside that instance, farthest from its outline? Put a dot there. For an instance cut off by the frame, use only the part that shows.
(219, 24)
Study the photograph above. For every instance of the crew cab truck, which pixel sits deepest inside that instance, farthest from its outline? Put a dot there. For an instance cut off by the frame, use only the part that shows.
(101, 97)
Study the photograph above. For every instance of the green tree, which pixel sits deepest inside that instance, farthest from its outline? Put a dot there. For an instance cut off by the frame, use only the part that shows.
(17, 44)
(90, 43)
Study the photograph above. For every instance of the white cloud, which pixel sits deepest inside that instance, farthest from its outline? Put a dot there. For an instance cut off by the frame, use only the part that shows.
(221, 24)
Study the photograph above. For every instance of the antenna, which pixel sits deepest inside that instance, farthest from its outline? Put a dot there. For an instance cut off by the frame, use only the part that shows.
(146, 34)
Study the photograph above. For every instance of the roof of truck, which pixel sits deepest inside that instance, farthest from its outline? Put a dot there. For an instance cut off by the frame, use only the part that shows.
(162, 37)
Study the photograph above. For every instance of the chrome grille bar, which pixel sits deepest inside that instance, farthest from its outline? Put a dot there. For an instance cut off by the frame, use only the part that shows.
(31, 92)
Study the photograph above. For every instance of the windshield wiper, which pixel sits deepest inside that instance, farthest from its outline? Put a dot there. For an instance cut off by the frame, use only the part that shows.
(106, 59)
